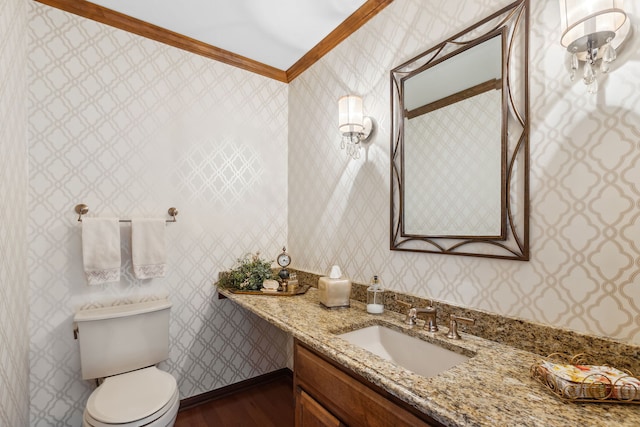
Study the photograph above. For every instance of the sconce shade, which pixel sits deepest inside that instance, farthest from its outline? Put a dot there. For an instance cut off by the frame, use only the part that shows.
(592, 30)
(584, 21)
(350, 116)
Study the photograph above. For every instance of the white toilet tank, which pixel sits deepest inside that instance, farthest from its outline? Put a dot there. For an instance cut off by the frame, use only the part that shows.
(122, 338)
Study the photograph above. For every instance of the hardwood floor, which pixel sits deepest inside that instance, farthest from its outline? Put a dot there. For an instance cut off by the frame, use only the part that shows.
(267, 404)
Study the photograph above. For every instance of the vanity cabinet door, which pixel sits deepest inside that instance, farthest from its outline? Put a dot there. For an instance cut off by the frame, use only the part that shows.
(343, 396)
(310, 413)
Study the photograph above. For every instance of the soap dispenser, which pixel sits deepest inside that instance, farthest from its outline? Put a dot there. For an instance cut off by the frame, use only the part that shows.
(334, 291)
(375, 297)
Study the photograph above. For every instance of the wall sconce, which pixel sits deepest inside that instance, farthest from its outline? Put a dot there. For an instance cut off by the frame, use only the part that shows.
(591, 32)
(355, 127)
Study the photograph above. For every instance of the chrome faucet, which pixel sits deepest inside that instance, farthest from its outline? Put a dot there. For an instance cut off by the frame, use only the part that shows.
(431, 312)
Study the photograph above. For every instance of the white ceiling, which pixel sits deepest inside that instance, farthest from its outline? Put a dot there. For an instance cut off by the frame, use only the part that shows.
(274, 32)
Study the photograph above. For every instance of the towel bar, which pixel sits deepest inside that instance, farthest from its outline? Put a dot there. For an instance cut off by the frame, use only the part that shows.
(83, 209)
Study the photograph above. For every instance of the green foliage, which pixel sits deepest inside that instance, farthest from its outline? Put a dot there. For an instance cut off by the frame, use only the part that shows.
(248, 275)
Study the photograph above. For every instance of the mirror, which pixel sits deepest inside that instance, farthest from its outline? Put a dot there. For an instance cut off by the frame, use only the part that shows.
(453, 122)
(460, 143)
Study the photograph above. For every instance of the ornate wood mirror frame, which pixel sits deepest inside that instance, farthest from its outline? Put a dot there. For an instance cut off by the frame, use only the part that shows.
(507, 235)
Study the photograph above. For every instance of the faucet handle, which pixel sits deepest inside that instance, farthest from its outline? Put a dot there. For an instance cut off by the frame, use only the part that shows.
(405, 304)
(411, 317)
(453, 325)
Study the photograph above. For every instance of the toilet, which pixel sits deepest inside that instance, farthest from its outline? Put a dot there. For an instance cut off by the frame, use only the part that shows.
(122, 344)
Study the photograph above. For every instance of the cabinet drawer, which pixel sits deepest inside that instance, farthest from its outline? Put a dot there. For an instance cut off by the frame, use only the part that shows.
(310, 413)
(353, 400)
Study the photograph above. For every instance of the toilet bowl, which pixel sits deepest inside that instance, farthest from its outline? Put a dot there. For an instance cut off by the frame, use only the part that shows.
(147, 397)
(122, 344)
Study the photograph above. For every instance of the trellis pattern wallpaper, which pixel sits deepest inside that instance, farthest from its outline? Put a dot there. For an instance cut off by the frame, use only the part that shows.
(131, 127)
(584, 272)
(464, 173)
(14, 286)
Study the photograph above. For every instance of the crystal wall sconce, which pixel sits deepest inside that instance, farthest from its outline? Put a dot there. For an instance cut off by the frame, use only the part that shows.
(591, 32)
(355, 127)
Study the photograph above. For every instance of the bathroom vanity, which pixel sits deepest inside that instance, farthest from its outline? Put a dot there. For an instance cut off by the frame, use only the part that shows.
(339, 383)
(326, 393)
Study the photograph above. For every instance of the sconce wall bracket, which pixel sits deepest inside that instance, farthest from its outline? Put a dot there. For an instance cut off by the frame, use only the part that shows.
(368, 129)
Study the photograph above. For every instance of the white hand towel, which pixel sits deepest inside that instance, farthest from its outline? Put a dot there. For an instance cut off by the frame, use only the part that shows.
(101, 250)
(148, 247)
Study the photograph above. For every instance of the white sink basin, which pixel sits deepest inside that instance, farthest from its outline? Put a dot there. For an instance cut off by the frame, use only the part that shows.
(413, 354)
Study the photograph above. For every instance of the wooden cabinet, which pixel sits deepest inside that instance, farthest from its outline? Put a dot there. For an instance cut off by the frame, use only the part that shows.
(310, 413)
(329, 395)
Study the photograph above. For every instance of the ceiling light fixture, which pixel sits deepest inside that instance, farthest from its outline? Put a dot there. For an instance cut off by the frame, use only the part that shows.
(591, 32)
(355, 127)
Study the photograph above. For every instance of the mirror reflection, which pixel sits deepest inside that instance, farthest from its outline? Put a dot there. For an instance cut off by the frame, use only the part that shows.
(453, 118)
(460, 171)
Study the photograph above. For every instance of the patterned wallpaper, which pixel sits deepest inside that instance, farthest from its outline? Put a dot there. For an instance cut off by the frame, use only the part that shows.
(131, 127)
(584, 272)
(465, 159)
(14, 289)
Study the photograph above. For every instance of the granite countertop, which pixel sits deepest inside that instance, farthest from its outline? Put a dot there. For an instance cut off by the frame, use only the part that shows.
(493, 388)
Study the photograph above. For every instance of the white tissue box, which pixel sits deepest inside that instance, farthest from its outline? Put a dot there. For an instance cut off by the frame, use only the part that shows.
(334, 292)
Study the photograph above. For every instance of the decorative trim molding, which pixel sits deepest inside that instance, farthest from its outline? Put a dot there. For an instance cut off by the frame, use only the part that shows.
(495, 84)
(360, 17)
(124, 22)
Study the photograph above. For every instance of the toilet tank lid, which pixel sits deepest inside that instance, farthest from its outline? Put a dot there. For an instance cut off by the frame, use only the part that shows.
(115, 311)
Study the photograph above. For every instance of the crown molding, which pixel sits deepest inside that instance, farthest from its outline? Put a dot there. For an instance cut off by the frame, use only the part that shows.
(127, 23)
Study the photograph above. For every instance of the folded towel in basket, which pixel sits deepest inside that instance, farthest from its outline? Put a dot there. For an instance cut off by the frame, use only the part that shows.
(148, 247)
(590, 381)
(101, 250)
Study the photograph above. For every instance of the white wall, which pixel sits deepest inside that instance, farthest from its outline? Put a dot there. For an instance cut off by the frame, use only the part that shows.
(14, 286)
(584, 273)
(131, 127)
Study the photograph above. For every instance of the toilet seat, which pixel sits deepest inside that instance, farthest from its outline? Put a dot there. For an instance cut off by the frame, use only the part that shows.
(146, 397)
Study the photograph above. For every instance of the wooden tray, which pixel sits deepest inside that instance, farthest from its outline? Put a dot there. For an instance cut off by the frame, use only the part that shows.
(299, 291)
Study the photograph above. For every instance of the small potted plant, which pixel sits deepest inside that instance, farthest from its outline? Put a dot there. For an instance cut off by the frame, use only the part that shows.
(248, 275)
